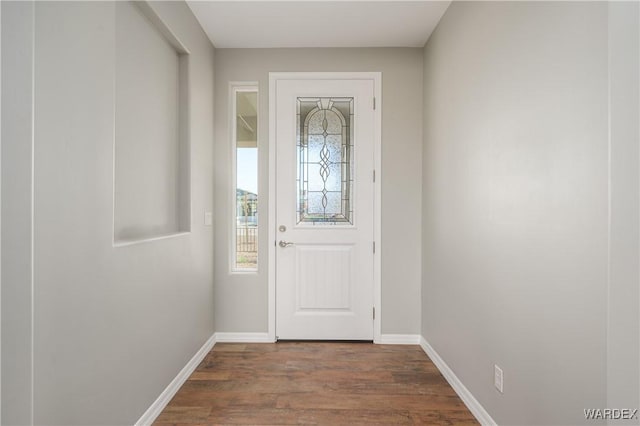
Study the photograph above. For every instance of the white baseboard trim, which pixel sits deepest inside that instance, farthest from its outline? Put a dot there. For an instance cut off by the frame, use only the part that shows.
(243, 338)
(158, 405)
(465, 395)
(399, 339)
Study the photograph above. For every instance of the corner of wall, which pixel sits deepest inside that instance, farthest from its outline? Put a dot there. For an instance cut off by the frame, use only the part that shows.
(623, 319)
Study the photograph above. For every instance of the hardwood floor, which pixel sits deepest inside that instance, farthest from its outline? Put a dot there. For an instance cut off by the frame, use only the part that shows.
(316, 383)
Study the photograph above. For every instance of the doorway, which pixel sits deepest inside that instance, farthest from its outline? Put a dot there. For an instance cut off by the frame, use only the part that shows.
(324, 209)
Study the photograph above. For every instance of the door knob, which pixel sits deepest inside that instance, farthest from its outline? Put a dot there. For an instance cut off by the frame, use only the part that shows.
(284, 244)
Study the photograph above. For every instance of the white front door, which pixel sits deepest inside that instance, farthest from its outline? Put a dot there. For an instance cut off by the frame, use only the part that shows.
(324, 208)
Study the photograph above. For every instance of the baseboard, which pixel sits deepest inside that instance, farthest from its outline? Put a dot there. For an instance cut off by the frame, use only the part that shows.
(158, 405)
(399, 339)
(465, 395)
(243, 338)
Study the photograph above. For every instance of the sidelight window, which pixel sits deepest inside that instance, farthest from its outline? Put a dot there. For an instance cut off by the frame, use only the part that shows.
(245, 178)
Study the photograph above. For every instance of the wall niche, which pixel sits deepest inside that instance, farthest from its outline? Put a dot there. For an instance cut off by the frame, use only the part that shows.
(151, 145)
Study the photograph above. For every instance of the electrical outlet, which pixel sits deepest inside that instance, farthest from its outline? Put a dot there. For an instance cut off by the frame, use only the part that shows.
(497, 378)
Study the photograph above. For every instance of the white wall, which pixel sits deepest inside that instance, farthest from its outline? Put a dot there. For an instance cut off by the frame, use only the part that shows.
(113, 326)
(515, 205)
(241, 300)
(17, 150)
(623, 332)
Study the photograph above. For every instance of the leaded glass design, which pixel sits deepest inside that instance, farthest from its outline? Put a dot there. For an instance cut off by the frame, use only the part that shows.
(325, 161)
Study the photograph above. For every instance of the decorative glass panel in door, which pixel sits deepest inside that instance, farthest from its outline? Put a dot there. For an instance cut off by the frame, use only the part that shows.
(325, 161)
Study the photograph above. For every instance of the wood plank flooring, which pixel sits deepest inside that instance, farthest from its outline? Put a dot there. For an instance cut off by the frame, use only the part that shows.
(329, 383)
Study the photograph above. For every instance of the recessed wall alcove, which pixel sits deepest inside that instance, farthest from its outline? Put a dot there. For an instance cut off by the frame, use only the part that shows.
(151, 144)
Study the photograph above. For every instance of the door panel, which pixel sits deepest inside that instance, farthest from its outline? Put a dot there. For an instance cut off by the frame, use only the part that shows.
(324, 209)
(324, 277)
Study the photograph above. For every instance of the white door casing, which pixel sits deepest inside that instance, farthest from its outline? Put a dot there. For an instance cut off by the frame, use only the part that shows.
(325, 284)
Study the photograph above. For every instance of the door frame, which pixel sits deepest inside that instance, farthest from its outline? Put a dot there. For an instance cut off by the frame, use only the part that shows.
(376, 77)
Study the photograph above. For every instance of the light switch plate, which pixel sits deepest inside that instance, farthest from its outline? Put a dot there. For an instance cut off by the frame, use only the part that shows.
(498, 378)
(208, 218)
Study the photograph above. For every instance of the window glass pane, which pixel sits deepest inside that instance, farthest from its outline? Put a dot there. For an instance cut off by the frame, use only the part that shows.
(325, 161)
(246, 146)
